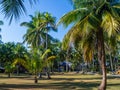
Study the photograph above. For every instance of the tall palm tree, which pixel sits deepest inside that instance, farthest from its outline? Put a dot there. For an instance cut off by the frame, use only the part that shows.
(37, 30)
(49, 24)
(93, 19)
(37, 34)
(34, 35)
(14, 8)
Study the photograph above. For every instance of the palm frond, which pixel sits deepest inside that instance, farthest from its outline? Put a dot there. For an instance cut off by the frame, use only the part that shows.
(88, 45)
(21, 62)
(12, 9)
(110, 24)
(117, 5)
(66, 40)
(50, 58)
(72, 16)
(45, 53)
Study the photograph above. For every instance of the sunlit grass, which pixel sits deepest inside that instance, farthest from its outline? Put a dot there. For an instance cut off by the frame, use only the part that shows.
(66, 81)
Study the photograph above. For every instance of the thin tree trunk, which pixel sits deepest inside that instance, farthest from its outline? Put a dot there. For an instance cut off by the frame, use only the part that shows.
(111, 62)
(40, 75)
(66, 65)
(17, 69)
(36, 80)
(47, 71)
(101, 58)
(9, 75)
(67, 59)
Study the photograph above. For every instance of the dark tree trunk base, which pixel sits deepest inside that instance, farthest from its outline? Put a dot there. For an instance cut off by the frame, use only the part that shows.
(36, 80)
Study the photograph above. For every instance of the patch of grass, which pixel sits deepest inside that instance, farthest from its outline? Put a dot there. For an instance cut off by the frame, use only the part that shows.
(67, 81)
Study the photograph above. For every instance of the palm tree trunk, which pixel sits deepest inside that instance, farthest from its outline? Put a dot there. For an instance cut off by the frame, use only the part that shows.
(111, 62)
(101, 58)
(47, 71)
(9, 75)
(17, 69)
(48, 74)
(40, 75)
(36, 80)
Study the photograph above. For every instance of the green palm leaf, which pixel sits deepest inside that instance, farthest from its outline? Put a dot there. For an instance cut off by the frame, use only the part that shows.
(14, 8)
(73, 16)
(110, 24)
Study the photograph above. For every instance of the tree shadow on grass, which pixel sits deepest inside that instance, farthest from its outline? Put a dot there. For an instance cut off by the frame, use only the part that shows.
(81, 78)
(58, 86)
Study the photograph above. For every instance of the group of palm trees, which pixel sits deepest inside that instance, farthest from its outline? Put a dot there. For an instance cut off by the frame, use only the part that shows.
(96, 25)
(96, 28)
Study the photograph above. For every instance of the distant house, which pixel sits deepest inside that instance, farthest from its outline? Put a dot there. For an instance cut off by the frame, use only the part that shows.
(65, 64)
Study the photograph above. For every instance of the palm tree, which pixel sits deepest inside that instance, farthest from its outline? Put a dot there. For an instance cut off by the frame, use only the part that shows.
(34, 35)
(39, 61)
(92, 21)
(37, 34)
(19, 55)
(49, 21)
(14, 8)
(37, 27)
(49, 25)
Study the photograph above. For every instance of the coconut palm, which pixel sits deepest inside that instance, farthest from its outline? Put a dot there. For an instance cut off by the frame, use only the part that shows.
(49, 25)
(19, 55)
(37, 27)
(93, 19)
(37, 34)
(39, 61)
(14, 8)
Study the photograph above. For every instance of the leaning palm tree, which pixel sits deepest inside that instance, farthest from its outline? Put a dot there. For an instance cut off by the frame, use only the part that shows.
(93, 19)
(14, 8)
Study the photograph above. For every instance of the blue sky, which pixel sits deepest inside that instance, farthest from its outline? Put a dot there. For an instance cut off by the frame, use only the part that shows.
(14, 32)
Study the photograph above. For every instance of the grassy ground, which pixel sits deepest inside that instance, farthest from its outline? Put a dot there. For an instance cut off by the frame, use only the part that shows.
(68, 81)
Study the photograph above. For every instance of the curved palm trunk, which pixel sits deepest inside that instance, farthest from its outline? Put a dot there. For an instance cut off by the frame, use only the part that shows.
(101, 58)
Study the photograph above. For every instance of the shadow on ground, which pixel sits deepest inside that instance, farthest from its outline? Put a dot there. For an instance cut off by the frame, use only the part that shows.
(56, 86)
(56, 83)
